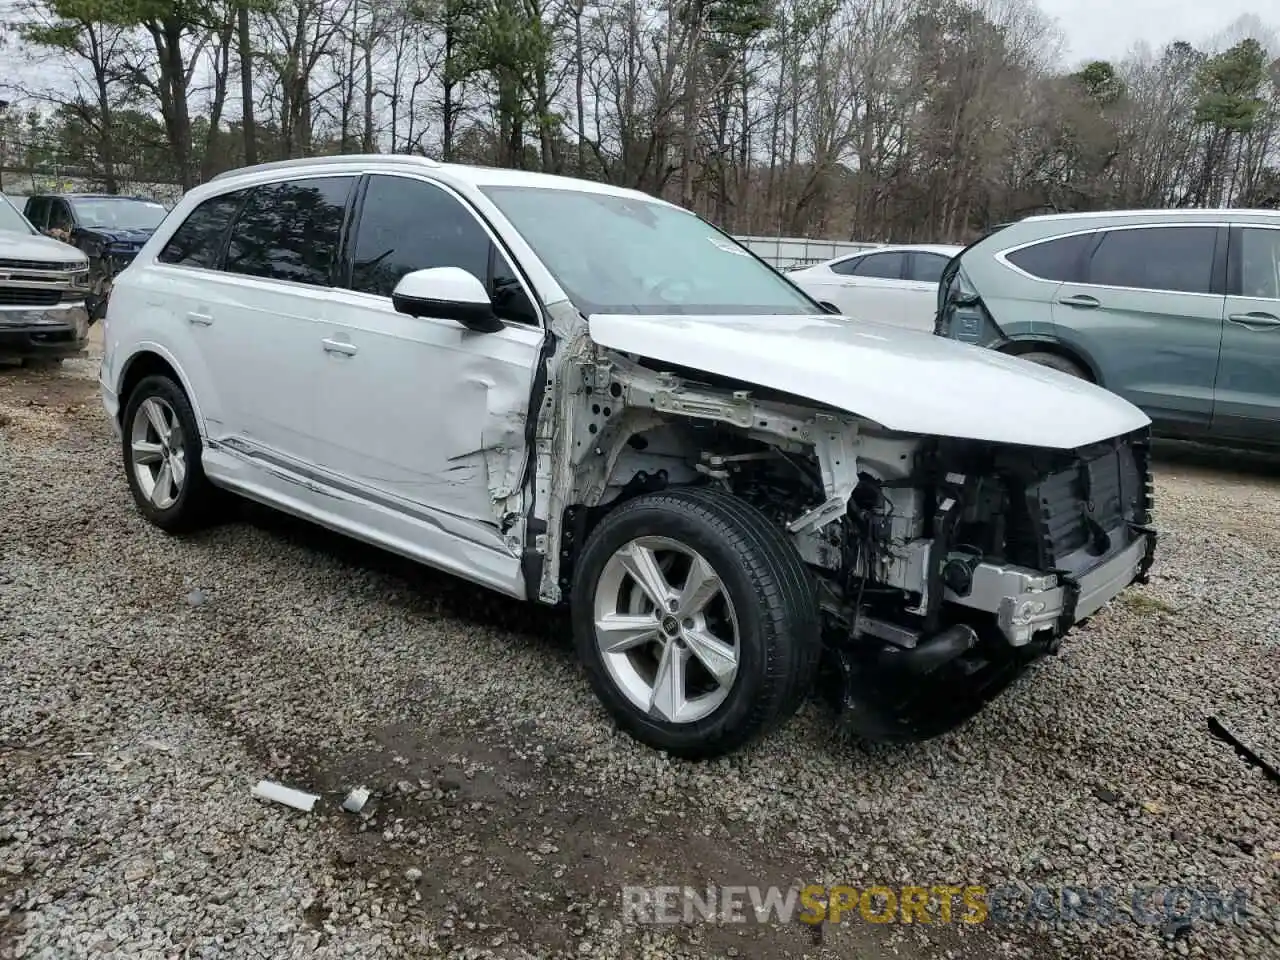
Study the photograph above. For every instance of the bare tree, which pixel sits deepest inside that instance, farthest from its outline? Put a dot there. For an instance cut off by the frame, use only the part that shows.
(876, 119)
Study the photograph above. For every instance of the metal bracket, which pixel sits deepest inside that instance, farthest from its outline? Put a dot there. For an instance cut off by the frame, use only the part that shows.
(1144, 569)
(839, 465)
(597, 376)
(686, 403)
(1070, 597)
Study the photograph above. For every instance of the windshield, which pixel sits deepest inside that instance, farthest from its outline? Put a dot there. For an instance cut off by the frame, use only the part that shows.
(616, 254)
(117, 213)
(11, 221)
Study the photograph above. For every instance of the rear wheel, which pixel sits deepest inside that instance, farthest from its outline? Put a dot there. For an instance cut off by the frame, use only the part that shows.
(162, 449)
(695, 620)
(1056, 362)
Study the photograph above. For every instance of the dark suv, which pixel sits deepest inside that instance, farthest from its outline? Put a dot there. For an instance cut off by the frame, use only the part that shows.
(109, 229)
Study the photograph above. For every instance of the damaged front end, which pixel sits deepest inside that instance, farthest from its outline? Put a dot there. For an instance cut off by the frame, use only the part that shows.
(971, 567)
(943, 567)
(109, 252)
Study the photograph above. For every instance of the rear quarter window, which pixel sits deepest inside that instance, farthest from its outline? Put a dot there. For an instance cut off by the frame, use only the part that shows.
(199, 241)
(1061, 260)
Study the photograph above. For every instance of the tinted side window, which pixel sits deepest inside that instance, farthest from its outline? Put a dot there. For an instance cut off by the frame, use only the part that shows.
(408, 225)
(1179, 259)
(35, 212)
(927, 267)
(60, 216)
(1062, 259)
(888, 266)
(845, 267)
(198, 242)
(510, 302)
(1260, 264)
(290, 230)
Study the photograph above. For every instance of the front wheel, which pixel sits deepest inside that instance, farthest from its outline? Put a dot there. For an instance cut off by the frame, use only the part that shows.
(695, 620)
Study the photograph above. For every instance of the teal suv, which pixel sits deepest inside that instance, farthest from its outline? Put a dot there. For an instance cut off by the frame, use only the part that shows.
(1177, 311)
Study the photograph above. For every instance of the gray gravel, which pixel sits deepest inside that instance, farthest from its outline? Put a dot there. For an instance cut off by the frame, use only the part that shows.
(148, 682)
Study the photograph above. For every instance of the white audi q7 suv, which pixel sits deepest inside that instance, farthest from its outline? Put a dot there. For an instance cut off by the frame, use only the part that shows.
(574, 393)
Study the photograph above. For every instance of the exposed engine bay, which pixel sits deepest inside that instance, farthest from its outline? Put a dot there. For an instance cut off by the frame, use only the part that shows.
(949, 574)
(942, 566)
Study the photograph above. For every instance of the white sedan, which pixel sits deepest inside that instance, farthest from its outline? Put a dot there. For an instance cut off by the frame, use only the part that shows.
(897, 284)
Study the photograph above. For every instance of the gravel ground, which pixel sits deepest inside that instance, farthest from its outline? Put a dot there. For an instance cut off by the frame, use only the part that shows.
(148, 682)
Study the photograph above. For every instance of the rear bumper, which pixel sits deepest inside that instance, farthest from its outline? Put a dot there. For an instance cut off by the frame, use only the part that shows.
(44, 332)
(1028, 602)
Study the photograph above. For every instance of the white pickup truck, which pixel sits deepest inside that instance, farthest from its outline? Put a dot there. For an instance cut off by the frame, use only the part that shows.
(43, 285)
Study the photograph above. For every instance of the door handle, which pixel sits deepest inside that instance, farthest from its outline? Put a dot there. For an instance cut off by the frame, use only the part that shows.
(199, 319)
(340, 346)
(1080, 300)
(1255, 321)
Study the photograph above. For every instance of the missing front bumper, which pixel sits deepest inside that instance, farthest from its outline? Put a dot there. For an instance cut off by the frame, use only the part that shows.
(1029, 602)
(882, 698)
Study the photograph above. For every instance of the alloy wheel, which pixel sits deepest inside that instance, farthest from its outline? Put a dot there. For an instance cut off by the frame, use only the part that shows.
(666, 629)
(157, 452)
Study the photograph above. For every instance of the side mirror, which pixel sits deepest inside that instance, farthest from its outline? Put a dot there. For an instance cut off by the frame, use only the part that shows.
(449, 293)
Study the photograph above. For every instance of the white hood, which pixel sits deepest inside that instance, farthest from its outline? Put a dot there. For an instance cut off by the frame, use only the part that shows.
(906, 381)
(24, 246)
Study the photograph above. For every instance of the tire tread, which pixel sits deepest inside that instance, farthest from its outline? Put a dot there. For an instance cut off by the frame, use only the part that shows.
(784, 603)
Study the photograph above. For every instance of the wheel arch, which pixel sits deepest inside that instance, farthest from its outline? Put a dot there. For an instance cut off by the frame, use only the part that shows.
(648, 453)
(631, 467)
(1022, 345)
(151, 359)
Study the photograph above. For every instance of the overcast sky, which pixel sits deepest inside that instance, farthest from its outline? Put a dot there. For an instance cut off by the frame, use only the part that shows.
(1106, 29)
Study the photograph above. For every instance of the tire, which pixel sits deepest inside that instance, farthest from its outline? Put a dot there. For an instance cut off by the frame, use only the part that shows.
(764, 604)
(1055, 362)
(185, 505)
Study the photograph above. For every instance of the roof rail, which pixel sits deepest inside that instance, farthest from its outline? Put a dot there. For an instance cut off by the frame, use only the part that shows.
(1155, 212)
(335, 160)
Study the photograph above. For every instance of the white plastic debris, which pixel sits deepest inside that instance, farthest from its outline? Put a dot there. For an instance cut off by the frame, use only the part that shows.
(356, 800)
(266, 790)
